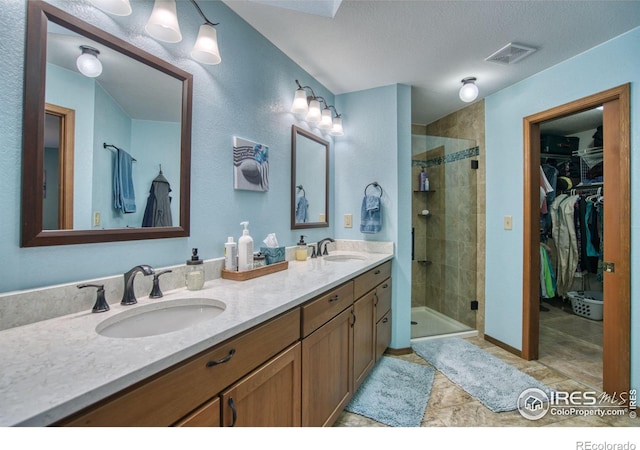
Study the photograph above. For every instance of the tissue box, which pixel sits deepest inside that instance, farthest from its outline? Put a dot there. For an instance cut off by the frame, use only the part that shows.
(273, 255)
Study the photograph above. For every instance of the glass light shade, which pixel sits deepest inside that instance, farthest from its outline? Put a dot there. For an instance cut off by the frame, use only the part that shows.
(163, 23)
(314, 115)
(300, 105)
(468, 91)
(115, 7)
(337, 127)
(206, 50)
(88, 63)
(326, 122)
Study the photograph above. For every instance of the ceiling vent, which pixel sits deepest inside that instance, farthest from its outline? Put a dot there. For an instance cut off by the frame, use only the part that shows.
(510, 54)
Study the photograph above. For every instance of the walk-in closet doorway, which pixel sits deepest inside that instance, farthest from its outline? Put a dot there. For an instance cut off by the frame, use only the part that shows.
(616, 235)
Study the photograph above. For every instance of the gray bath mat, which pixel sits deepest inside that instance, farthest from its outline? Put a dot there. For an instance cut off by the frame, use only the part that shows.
(395, 393)
(490, 380)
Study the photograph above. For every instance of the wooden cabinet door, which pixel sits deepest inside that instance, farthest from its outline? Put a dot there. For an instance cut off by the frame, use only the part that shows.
(205, 416)
(383, 334)
(269, 396)
(327, 371)
(364, 337)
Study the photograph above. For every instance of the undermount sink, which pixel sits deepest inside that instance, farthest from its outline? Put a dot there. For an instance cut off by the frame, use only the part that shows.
(344, 257)
(160, 318)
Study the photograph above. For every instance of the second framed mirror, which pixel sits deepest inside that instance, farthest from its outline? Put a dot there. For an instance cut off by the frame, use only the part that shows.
(309, 180)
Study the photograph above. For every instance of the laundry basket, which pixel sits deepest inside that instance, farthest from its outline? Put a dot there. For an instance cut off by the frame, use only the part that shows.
(587, 304)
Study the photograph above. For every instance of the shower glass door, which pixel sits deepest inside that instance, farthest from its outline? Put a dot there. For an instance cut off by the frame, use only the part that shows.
(444, 236)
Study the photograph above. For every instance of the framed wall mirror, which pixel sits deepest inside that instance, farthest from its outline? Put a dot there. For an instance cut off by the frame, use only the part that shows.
(309, 180)
(95, 146)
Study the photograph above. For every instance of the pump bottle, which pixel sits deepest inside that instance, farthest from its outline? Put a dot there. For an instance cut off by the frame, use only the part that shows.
(245, 249)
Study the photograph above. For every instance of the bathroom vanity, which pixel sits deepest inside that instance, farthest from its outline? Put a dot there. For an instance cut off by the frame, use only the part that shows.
(289, 349)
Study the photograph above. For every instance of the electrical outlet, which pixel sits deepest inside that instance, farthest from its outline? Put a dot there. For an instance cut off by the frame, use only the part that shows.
(96, 219)
(348, 220)
(474, 305)
(508, 222)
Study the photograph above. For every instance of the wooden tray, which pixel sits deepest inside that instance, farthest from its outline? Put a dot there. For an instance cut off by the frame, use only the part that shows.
(254, 273)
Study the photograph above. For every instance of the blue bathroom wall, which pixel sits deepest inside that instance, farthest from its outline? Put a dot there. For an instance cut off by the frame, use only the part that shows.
(248, 95)
(611, 64)
(112, 126)
(74, 91)
(377, 148)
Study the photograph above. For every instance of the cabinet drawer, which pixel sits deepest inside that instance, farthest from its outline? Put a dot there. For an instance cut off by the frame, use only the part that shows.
(383, 296)
(319, 311)
(206, 416)
(165, 399)
(369, 280)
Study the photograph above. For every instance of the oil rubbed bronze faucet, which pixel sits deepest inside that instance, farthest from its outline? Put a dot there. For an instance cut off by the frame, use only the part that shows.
(320, 252)
(129, 297)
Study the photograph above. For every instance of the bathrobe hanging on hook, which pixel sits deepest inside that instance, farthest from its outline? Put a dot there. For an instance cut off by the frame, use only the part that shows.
(158, 210)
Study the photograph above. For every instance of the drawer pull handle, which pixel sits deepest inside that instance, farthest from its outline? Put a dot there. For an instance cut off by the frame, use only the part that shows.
(375, 294)
(335, 298)
(377, 272)
(234, 413)
(384, 286)
(353, 314)
(223, 360)
(385, 320)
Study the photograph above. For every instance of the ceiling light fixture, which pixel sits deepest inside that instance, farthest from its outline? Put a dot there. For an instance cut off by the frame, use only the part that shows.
(307, 107)
(88, 63)
(469, 90)
(115, 7)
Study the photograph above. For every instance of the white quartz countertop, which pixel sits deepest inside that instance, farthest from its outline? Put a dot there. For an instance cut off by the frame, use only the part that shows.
(53, 368)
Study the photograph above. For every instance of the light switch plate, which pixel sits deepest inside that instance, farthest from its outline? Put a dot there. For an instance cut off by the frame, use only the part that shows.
(96, 219)
(508, 222)
(348, 220)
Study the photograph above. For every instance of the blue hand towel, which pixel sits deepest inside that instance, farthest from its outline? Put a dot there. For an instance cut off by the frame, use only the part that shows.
(124, 198)
(371, 214)
(302, 205)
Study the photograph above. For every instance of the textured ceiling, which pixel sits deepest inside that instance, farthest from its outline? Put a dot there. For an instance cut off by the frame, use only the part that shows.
(432, 45)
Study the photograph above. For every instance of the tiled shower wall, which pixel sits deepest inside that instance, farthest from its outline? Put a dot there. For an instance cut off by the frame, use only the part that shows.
(452, 236)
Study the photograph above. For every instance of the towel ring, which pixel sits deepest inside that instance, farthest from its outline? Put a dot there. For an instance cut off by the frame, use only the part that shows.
(304, 194)
(374, 184)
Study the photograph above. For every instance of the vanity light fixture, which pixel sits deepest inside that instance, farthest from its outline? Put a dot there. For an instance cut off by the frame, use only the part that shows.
(88, 63)
(115, 7)
(469, 90)
(308, 108)
(163, 23)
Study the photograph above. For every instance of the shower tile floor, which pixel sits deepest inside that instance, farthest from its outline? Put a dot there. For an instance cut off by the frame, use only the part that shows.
(450, 406)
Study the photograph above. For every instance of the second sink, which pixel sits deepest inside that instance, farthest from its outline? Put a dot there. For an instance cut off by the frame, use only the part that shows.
(344, 257)
(160, 318)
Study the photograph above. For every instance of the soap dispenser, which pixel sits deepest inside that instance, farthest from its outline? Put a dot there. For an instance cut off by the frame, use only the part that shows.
(301, 250)
(194, 275)
(245, 249)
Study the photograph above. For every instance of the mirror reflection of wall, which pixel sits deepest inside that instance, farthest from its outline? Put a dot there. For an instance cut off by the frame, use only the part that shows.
(309, 196)
(109, 110)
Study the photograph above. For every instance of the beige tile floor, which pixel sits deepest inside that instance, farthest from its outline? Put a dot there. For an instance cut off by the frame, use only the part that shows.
(450, 406)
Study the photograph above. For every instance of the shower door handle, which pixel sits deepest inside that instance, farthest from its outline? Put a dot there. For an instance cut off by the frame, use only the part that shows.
(413, 243)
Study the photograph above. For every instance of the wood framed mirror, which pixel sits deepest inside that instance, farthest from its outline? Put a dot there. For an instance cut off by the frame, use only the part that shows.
(309, 180)
(97, 118)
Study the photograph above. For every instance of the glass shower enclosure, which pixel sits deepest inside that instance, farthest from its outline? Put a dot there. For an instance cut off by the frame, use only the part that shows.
(444, 241)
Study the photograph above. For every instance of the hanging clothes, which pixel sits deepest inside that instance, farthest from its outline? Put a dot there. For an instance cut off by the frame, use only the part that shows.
(564, 234)
(547, 274)
(158, 210)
